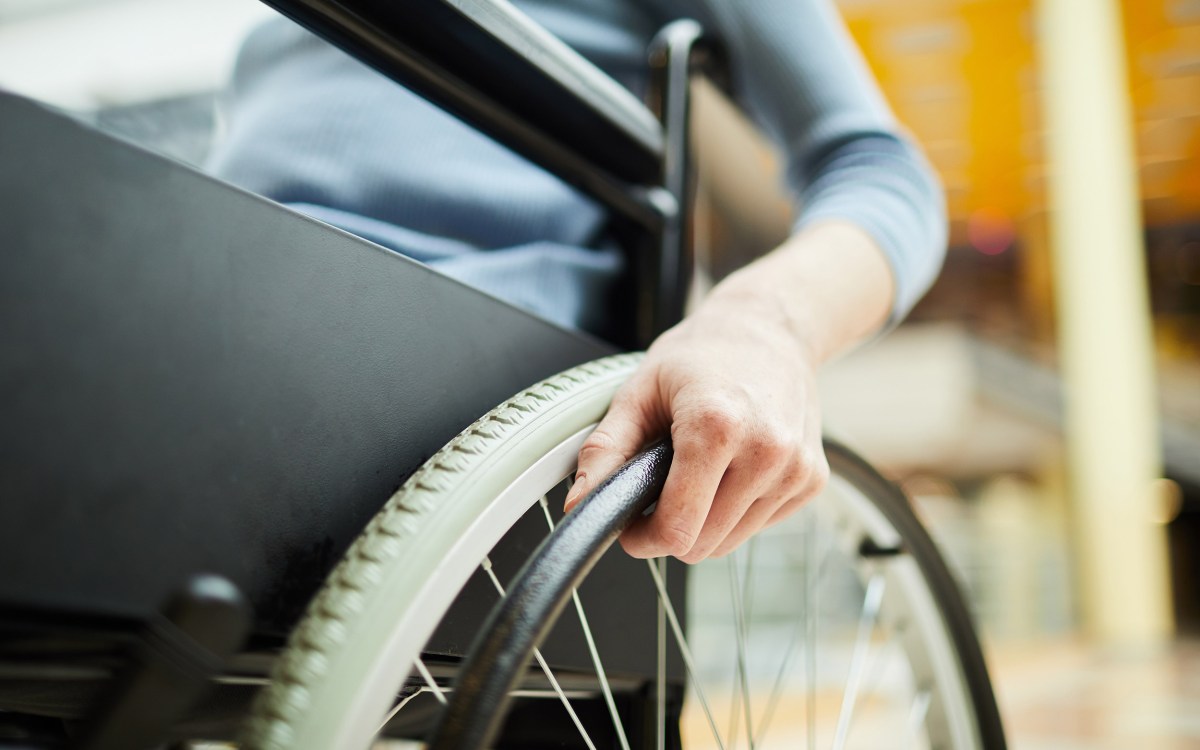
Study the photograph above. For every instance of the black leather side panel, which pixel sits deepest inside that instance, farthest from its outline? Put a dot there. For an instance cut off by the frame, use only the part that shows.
(193, 378)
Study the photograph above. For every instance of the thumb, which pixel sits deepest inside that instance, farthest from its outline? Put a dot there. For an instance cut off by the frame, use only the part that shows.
(618, 437)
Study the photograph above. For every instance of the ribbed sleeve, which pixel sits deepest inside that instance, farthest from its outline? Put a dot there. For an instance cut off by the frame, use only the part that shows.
(882, 184)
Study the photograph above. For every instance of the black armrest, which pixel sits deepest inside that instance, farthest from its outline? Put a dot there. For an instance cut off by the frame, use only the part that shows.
(492, 66)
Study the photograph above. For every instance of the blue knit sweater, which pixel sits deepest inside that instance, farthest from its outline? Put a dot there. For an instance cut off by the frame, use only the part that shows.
(309, 126)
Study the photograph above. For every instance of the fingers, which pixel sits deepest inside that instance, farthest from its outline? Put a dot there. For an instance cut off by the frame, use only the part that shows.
(722, 463)
(759, 464)
(815, 468)
(769, 511)
(626, 427)
(735, 496)
(703, 451)
(767, 477)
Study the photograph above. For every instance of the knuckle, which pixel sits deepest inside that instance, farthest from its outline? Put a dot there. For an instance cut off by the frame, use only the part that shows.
(698, 552)
(734, 539)
(672, 539)
(720, 423)
(723, 550)
(634, 547)
(626, 397)
(806, 473)
(774, 446)
(794, 478)
(597, 443)
(792, 468)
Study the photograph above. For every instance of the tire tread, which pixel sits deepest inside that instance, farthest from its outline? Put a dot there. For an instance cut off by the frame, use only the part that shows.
(328, 621)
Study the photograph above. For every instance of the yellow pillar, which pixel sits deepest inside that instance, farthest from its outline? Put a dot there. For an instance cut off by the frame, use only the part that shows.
(1105, 344)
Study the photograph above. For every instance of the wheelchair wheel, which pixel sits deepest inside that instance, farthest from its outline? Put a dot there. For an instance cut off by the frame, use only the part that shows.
(350, 665)
(896, 664)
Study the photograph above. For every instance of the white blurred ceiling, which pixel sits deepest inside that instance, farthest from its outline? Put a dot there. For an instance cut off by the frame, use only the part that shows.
(87, 54)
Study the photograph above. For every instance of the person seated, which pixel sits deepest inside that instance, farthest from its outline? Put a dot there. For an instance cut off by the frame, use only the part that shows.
(734, 383)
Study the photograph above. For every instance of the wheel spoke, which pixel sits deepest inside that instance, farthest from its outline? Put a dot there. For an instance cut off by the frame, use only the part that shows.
(748, 580)
(798, 628)
(810, 626)
(537, 654)
(777, 687)
(601, 674)
(433, 686)
(735, 706)
(916, 716)
(739, 625)
(858, 659)
(686, 652)
(735, 711)
(400, 705)
(660, 685)
(881, 659)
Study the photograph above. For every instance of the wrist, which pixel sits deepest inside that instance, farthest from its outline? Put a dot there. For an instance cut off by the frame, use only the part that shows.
(750, 305)
(829, 286)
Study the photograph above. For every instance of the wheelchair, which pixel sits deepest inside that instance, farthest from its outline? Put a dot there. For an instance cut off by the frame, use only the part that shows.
(188, 453)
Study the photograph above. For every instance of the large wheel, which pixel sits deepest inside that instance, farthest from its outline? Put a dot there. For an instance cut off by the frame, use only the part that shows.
(350, 665)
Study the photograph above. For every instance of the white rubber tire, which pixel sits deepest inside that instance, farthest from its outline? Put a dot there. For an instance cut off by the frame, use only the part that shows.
(357, 642)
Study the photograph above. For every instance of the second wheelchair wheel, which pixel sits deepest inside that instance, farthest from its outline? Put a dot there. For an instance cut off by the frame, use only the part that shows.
(354, 664)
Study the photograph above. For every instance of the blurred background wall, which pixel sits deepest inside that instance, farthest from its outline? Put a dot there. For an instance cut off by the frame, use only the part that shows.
(1042, 404)
(966, 403)
(971, 80)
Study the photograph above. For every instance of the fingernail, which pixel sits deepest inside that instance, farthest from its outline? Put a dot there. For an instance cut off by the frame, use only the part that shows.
(574, 493)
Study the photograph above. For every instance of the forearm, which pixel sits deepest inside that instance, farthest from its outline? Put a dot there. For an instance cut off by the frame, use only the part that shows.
(734, 383)
(829, 287)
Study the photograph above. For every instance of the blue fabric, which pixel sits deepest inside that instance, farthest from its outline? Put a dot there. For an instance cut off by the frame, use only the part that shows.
(309, 126)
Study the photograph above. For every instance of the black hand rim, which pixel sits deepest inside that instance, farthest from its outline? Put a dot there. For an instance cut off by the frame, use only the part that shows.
(522, 619)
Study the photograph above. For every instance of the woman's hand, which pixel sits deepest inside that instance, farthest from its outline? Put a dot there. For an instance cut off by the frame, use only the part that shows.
(734, 385)
(736, 392)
